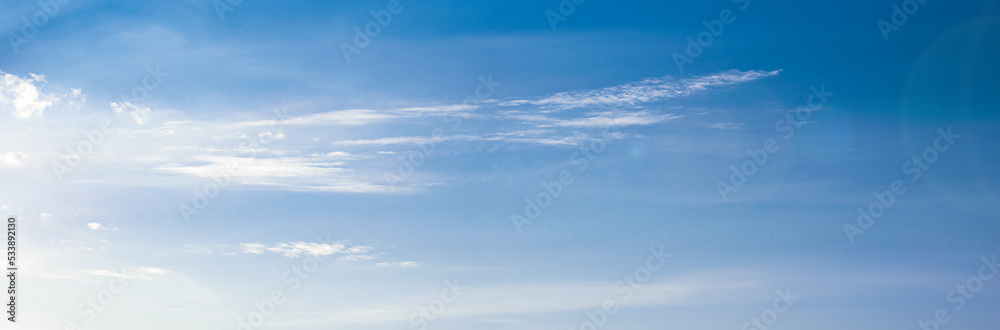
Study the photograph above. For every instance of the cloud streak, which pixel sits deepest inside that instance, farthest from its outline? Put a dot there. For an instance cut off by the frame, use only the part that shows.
(644, 91)
(174, 150)
(298, 249)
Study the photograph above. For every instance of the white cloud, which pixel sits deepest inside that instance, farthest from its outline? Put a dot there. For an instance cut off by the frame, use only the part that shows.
(253, 248)
(180, 151)
(24, 95)
(529, 136)
(340, 117)
(46, 215)
(98, 226)
(355, 257)
(12, 158)
(356, 117)
(441, 109)
(138, 113)
(296, 249)
(403, 264)
(319, 172)
(648, 90)
(399, 140)
(136, 273)
(613, 119)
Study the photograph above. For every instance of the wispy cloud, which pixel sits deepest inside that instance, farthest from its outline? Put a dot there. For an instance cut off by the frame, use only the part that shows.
(170, 149)
(398, 264)
(98, 226)
(195, 249)
(614, 119)
(137, 273)
(297, 249)
(260, 171)
(647, 90)
(357, 117)
(524, 136)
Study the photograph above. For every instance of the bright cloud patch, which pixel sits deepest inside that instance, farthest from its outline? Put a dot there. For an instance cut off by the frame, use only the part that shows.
(297, 249)
(321, 172)
(23, 96)
(137, 273)
(12, 158)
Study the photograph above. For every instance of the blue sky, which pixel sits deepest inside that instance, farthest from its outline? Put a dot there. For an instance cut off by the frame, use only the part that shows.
(206, 159)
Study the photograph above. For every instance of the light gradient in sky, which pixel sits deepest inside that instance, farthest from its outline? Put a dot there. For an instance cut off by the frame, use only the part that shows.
(502, 164)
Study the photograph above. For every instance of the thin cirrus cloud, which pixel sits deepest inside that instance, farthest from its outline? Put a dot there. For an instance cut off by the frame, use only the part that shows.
(524, 136)
(613, 119)
(315, 173)
(135, 273)
(644, 91)
(398, 264)
(620, 98)
(358, 117)
(298, 249)
(630, 94)
(167, 149)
